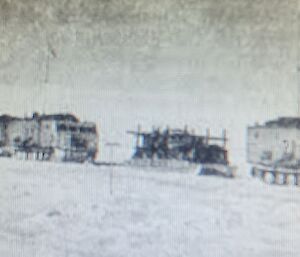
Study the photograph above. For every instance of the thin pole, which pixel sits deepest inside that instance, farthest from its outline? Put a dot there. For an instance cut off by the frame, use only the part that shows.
(224, 137)
(111, 146)
(138, 137)
(207, 135)
(111, 172)
(47, 65)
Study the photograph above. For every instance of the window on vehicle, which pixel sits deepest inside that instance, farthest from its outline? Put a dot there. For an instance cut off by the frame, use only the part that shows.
(72, 129)
(61, 127)
(88, 129)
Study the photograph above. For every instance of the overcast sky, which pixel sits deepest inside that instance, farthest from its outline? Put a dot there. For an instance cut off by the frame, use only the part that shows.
(201, 62)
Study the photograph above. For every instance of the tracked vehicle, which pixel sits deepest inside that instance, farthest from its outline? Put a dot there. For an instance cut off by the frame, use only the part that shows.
(182, 149)
(273, 150)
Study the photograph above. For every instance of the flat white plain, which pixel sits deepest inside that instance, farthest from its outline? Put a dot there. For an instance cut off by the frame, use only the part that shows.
(52, 209)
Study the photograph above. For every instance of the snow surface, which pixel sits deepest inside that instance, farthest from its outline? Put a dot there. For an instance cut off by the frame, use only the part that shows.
(52, 209)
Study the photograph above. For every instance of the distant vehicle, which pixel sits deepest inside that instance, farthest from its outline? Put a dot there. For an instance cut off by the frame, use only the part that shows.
(60, 137)
(163, 148)
(273, 150)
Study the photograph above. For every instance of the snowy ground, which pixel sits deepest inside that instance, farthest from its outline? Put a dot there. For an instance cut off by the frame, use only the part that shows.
(51, 209)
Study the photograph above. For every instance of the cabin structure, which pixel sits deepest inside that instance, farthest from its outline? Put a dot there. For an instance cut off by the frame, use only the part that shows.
(49, 137)
(273, 150)
(277, 142)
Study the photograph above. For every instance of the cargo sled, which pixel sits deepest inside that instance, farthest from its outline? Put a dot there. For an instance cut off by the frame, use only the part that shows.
(218, 170)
